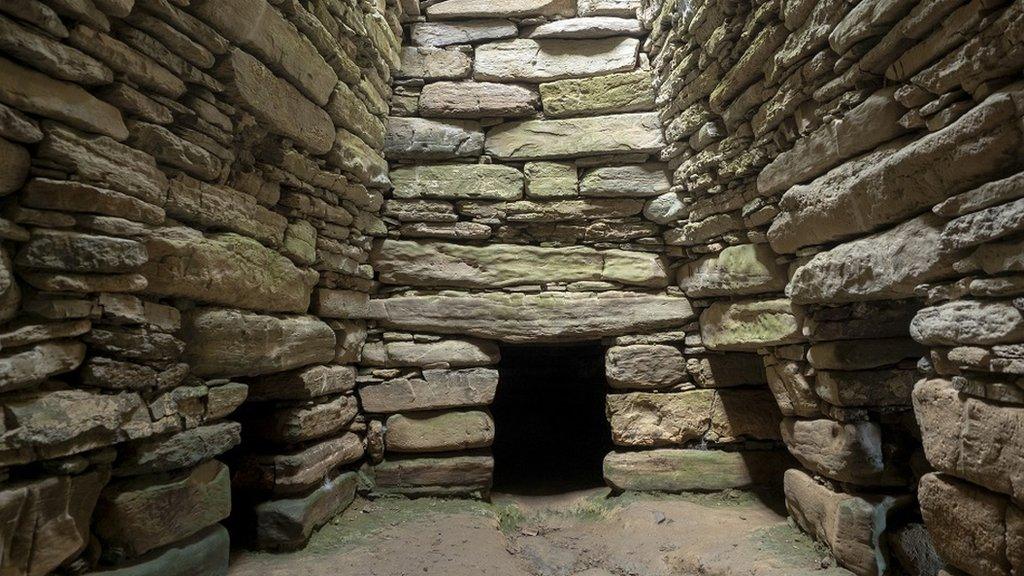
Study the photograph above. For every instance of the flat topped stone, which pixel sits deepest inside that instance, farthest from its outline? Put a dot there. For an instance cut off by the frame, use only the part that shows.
(423, 139)
(439, 34)
(590, 27)
(452, 9)
(499, 265)
(673, 470)
(477, 100)
(542, 61)
(434, 63)
(458, 182)
(521, 318)
(623, 8)
(576, 137)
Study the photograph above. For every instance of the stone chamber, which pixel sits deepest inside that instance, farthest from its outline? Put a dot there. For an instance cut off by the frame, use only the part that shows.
(259, 256)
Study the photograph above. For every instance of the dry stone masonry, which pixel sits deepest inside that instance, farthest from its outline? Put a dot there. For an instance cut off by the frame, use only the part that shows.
(190, 193)
(257, 256)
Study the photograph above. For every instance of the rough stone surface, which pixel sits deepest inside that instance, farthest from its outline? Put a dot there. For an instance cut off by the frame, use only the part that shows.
(438, 431)
(458, 182)
(570, 138)
(477, 100)
(750, 324)
(670, 470)
(737, 270)
(437, 389)
(645, 366)
(535, 318)
(546, 60)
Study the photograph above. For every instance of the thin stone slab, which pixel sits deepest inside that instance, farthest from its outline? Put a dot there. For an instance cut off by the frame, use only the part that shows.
(576, 137)
(434, 476)
(431, 63)
(672, 470)
(525, 60)
(433, 264)
(299, 470)
(453, 9)
(457, 353)
(645, 367)
(737, 270)
(621, 8)
(477, 100)
(439, 34)
(630, 181)
(423, 139)
(437, 389)
(458, 182)
(587, 28)
(525, 318)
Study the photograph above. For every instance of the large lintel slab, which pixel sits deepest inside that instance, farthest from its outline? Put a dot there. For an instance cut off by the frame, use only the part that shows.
(534, 318)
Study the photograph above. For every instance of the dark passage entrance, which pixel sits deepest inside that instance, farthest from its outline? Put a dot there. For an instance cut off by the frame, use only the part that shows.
(551, 433)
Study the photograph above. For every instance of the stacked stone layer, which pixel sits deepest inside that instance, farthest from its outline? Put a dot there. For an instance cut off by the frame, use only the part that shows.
(524, 145)
(189, 190)
(846, 179)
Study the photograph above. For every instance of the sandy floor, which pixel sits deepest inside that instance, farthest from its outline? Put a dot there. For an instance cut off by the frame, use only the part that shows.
(582, 533)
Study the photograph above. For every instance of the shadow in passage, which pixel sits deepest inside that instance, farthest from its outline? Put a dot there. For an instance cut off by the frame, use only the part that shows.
(551, 433)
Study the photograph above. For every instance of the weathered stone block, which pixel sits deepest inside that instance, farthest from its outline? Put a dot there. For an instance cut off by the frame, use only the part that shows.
(974, 530)
(551, 180)
(438, 34)
(532, 61)
(83, 253)
(499, 265)
(287, 524)
(303, 384)
(458, 182)
(865, 388)
(573, 138)
(258, 27)
(477, 100)
(455, 353)
(750, 324)
(225, 343)
(46, 522)
(848, 452)
(434, 476)
(438, 388)
(279, 106)
(26, 367)
(972, 438)
(454, 9)
(670, 470)
(587, 27)
(299, 470)
(438, 431)
(607, 94)
(635, 180)
(895, 182)
(225, 269)
(847, 523)
(183, 449)
(423, 139)
(137, 515)
(292, 424)
(737, 270)
(434, 64)
(887, 265)
(645, 367)
(551, 317)
(726, 370)
(977, 322)
(37, 93)
(675, 419)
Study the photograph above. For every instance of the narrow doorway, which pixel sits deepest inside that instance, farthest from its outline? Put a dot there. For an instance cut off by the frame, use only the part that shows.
(551, 433)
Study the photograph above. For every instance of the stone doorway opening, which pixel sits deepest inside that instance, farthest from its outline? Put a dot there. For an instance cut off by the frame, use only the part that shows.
(551, 432)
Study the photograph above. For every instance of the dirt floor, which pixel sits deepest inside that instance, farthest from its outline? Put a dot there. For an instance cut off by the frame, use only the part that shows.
(583, 533)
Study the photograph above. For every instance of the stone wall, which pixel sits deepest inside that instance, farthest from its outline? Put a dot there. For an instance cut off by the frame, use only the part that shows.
(524, 149)
(189, 193)
(846, 188)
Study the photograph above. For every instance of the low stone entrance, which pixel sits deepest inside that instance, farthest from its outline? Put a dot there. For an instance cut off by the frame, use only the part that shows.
(551, 433)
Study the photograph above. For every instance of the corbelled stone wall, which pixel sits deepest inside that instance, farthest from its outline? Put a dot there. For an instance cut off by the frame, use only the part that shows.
(189, 192)
(846, 187)
(524, 148)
